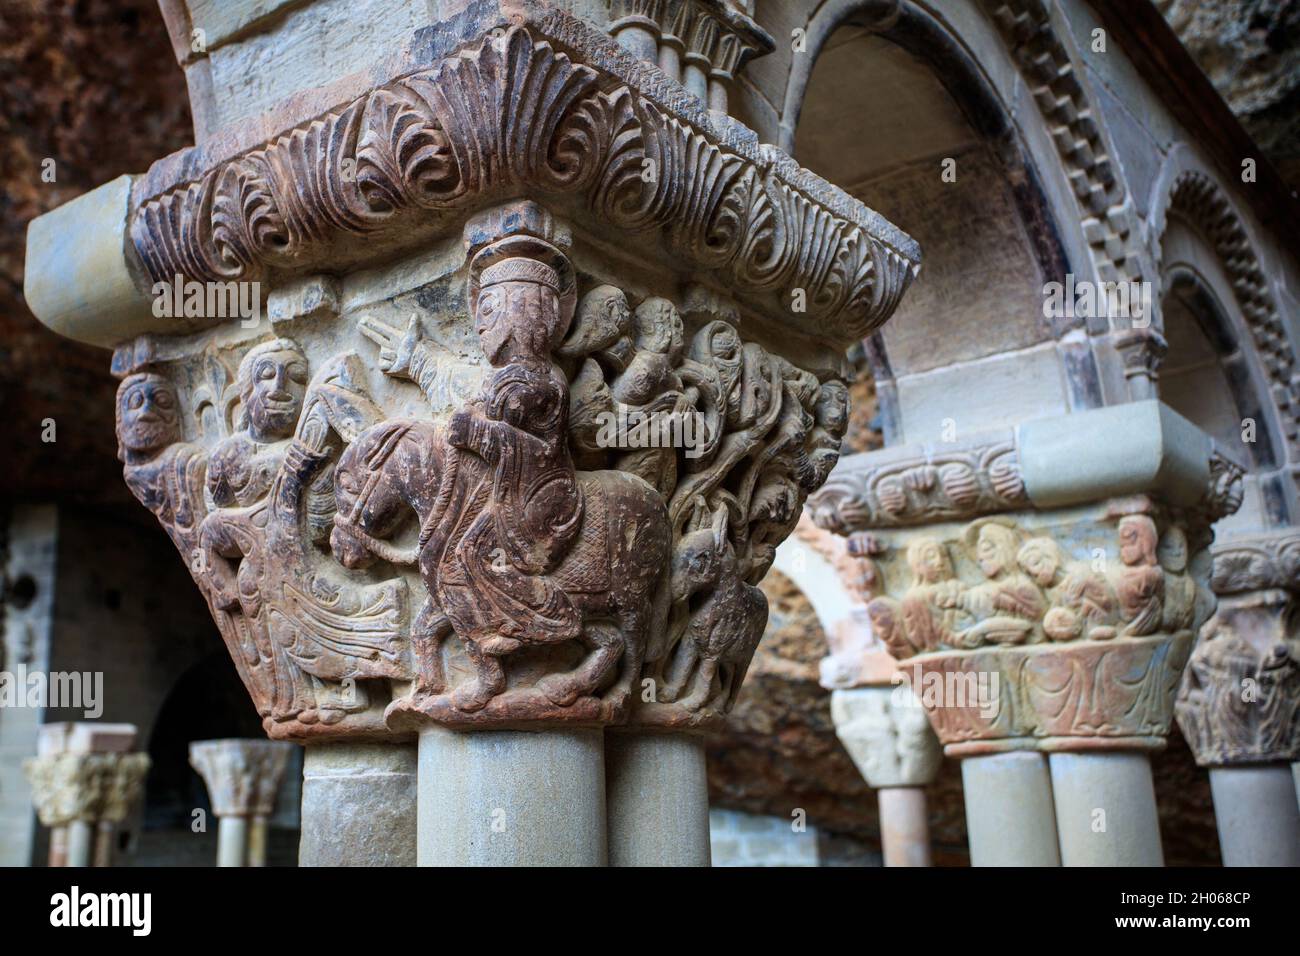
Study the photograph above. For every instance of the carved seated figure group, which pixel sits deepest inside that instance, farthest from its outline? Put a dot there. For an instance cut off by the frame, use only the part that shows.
(1028, 592)
(560, 577)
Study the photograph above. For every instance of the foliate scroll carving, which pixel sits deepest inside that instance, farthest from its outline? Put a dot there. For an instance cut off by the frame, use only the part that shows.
(576, 537)
(1240, 699)
(515, 114)
(942, 482)
(1066, 630)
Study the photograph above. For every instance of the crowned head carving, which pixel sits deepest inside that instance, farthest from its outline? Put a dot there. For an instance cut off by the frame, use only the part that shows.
(521, 299)
(148, 416)
(271, 381)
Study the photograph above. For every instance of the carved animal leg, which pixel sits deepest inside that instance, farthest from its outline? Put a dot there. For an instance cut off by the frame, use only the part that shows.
(491, 679)
(703, 685)
(430, 629)
(606, 646)
(680, 669)
(735, 680)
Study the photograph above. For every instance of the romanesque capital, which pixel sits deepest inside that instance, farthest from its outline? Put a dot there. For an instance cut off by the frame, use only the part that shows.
(243, 776)
(886, 732)
(85, 787)
(1060, 627)
(480, 464)
(1240, 699)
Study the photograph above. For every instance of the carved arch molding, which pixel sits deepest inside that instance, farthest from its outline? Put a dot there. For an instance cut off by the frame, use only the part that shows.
(394, 526)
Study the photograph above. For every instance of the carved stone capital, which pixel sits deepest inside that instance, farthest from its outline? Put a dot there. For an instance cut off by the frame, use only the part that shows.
(1240, 699)
(243, 776)
(886, 732)
(516, 461)
(1057, 630)
(88, 787)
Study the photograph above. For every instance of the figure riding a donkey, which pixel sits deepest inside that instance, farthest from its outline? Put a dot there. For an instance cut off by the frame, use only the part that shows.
(521, 554)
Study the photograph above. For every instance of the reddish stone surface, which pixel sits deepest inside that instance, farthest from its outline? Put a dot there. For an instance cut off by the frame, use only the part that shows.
(93, 86)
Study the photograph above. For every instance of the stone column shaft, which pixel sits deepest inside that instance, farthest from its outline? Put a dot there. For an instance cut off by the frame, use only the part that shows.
(657, 794)
(359, 805)
(1106, 809)
(904, 827)
(1258, 815)
(1010, 817)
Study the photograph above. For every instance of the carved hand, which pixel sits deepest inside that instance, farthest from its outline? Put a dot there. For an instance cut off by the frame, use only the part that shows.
(396, 348)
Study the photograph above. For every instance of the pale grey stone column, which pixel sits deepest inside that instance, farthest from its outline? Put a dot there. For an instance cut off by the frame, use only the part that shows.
(657, 795)
(81, 842)
(1106, 809)
(511, 798)
(358, 805)
(232, 838)
(257, 837)
(1295, 773)
(1257, 814)
(1010, 818)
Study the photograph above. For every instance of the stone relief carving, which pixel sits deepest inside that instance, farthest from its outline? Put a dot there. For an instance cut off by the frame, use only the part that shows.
(887, 735)
(511, 561)
(940, 482)
(1240, 699)
(515, 113)
(1018, 631)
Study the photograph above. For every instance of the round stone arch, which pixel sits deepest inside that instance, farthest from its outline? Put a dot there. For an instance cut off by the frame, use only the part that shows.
(1017, 219)
(1212, 271)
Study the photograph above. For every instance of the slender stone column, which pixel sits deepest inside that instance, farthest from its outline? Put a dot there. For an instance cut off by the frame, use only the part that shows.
(408, 489)
(657, 799)
(1010, 817)
(511, 798)
(1257, 814)
(1106, 809)
(1043, 614)
(1239, 705)
(84, 785)
(358, 804)
(243, 777)
(886, 732)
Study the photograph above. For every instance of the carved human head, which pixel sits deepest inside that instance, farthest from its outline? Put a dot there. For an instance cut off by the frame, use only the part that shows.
(272, 379)
(1041, 559)
(995, 549)
(1172, 551)
(1137, 540)
(604, 322)
(832, 408)
(718, 346)
(928, 561)
(659, 327)
(148, 415)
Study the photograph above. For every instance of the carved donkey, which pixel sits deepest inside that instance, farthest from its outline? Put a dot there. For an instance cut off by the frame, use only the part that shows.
(727, 617)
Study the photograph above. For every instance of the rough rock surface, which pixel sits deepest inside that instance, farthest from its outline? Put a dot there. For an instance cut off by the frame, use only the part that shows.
(1250, 50)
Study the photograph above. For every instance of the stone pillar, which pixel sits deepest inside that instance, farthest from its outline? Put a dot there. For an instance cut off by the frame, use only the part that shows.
(657, 799)
(464, 473)
(243, 777)
(84, 785)
(1010, 819)
(1041, 589)
(886, 732)
(1239, 706)
(358, 804)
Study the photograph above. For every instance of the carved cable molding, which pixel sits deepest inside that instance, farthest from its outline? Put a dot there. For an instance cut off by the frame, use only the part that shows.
(513, 115)
(370, 571)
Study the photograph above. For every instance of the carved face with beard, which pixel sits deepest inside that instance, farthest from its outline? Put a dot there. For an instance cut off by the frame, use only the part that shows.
(148, 416)
(272, 380)
(832, 415)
